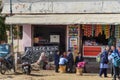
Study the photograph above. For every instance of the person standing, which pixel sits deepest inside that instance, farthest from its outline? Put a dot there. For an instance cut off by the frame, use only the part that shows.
(118, 49)
(111, 64)
(115, 67)
(56, 60)
(104, 62)
(70, 61)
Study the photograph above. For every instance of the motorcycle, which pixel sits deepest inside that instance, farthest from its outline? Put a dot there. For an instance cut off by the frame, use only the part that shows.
(6, 59)
(3, 68)
(26, 66)
(6, 64)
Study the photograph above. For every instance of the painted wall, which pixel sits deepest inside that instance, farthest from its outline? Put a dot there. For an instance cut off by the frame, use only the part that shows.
(63, 6)
(27, 41)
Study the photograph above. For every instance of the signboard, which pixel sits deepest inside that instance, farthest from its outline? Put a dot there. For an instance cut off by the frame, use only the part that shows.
(73, 42)
(33, 53)
(73, 37)
(91, 51)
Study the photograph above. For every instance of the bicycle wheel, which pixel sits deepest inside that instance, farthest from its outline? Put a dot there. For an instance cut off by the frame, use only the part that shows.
(3, 68)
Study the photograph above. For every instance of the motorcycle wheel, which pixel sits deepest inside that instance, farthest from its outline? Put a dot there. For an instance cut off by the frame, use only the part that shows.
(3, 68)
(28, 70)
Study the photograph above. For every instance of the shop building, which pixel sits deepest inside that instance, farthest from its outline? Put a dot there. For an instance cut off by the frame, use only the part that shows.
(80, 25)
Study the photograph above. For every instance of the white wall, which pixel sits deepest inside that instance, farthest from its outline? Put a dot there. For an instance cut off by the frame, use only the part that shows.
(63, 6)
(18, 46)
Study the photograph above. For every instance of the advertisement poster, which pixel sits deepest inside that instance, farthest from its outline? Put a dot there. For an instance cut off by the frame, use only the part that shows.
(55, 38)
(73, 42)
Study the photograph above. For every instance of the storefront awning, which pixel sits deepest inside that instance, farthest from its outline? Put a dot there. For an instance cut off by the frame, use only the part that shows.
(64, 19)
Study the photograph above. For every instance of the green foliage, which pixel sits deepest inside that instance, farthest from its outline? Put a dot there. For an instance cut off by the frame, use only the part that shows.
(3, 36)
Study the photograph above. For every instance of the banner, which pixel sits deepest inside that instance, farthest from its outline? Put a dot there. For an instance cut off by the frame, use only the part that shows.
(73, 30)
(87, 30)
(107, 31)
(98, 30)
(95, 30)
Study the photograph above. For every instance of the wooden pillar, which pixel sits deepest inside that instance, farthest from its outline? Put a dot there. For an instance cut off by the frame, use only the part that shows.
(81, 33)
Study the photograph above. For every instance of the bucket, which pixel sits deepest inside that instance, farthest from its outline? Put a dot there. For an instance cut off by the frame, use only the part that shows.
(62, 68)
(79, 71)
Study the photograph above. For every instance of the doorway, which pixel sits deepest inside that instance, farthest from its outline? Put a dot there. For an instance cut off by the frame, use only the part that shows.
(50, 35)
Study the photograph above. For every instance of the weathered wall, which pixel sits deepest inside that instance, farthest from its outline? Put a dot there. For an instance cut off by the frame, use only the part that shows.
(63, 6)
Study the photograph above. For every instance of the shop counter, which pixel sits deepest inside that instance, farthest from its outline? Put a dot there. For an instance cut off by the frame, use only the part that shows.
(91, 51)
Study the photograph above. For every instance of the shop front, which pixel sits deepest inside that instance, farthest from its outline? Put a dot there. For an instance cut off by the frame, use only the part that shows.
(65, 23)
(85, 33)
(96, 37)
(90, 39)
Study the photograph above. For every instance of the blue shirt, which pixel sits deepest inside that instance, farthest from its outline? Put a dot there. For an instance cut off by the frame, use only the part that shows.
(110, 57)
(62, 61)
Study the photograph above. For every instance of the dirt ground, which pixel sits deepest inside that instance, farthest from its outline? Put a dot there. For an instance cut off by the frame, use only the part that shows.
(51, 75)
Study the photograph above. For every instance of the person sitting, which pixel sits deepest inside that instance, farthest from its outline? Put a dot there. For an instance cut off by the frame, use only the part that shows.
(62, 63)
(78, 58)
(62, 60)
(42, 60)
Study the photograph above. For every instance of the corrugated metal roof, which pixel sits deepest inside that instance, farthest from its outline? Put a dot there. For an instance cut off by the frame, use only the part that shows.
(64, 19)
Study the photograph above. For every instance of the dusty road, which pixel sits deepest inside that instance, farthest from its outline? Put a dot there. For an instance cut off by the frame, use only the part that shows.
(51, 75)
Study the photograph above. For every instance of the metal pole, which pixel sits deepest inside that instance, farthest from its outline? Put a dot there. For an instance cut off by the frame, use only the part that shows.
(11, 7)
(11, 27)
(11, 33)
